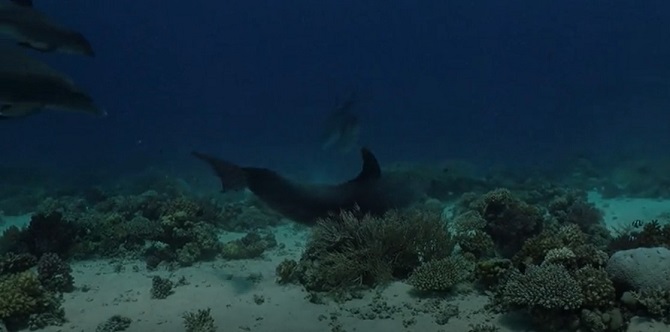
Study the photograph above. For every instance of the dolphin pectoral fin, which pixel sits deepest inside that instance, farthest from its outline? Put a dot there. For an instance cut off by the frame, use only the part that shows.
(233, 177)
(19, 110)
(370, 169)
(23, 3)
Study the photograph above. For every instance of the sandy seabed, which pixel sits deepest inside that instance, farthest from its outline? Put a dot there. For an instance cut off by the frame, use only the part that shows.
(243, 295)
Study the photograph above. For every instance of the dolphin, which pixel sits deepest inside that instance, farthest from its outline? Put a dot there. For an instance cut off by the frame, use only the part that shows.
(28, 86)
(32, 29)
(342, 127)
(370, 191)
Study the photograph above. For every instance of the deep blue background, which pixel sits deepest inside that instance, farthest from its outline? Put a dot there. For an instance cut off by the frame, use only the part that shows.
(510, 81)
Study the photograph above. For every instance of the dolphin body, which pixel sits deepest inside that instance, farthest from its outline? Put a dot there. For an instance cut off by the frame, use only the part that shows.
(28, 86)
(369, 191)
(35, 30)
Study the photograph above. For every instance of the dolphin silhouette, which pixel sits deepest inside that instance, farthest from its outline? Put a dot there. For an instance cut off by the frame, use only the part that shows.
(34, 30)
(28, 86)
(369, 191)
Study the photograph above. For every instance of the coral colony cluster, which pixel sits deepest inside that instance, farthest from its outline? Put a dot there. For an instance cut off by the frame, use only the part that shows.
(535, 248)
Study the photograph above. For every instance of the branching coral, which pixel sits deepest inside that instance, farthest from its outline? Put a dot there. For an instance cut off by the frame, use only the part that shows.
(200, 321)
(573, 208)
(114, 324)
(47, 233)
(161, 288)
(22, 295)
(509, 220)
(55, 274)
(548, 287)
(597, 288)
(250, 246)
(489, 273)
(348, 249)
(557, 241)
(656, 302)
(13, 263)
(442, 274)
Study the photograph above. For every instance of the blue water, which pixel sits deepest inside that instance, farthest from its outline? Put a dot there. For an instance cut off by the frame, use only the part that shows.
(533, 82)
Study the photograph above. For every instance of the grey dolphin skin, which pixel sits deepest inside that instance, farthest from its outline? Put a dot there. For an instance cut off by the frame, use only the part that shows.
(342, 127)
(32, 29)
(28, 86)
(306, 203)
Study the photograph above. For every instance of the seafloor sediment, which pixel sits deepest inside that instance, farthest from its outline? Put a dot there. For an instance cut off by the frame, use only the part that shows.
(161, 257)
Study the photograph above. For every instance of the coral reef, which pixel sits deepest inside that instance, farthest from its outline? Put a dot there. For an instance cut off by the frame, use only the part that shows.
(597, 289)
(566, 240)
(548, 287)
(652, 234)
(161, 288)
(250, 246)
(55, 274)
(24, 301)
(251, 213)
(47, 232)
(200, 321)
(509, 220)
(161, 227)
(656, 302)
(442, 274)
(489, 273)
(287, 271)
(114, 324)
(13, 263)
(350, 250)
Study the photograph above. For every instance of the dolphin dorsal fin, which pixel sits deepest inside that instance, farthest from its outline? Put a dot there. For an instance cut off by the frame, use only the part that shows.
(370, 170)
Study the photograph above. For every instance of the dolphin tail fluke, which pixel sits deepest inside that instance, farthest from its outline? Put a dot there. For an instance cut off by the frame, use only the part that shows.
(233, 177)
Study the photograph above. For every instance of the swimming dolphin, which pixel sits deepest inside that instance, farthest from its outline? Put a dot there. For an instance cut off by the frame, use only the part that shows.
(28, 86)
(306, 203)
(32, 29)
(342, 127)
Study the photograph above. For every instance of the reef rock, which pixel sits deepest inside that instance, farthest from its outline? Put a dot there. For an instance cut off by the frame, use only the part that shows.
(641, 268)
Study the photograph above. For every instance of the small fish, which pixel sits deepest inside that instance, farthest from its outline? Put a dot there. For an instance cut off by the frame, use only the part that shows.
(342, 127)
(637, 223)
(28, 86)
(34, 30)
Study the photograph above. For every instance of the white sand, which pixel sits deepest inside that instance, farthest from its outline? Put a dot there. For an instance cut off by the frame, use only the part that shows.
(18, 221)
(223, 287)
(621, 212)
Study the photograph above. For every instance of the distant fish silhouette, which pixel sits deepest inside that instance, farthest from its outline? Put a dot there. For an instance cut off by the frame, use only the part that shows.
(28, 86)
(32, 29)
(342, 127)
(305, 203)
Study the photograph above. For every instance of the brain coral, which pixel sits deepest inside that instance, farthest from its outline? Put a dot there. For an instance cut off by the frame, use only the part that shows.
(641, 268)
